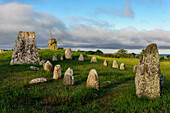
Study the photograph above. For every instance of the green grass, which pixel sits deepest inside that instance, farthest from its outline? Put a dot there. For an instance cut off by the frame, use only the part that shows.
(116, 92)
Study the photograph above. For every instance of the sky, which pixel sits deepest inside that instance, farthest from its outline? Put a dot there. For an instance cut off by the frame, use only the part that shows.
(105, 24)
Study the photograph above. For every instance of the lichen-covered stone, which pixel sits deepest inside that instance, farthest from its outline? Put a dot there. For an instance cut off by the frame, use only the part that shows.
(52, 44)
(57, 72)
(25, 49)
(115, 65)
(62, 57)
(147, 78)
(55, 58)
(38, 80)
(68, 53)
(105, 63)
(93, 59)
(81, 58)
(68, 77)
(34, 68)
(48, 67)
(122, 66)
(135, 68)
(92, 80)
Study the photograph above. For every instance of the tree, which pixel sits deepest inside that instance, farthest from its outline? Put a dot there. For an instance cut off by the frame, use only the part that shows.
(122, 52)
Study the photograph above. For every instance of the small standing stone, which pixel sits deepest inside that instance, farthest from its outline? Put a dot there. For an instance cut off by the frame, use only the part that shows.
(115, 65)
(105, 63)
(81, 58)
(34, 68)
(42, 62)
(57, 72)
(55, 58)
(68, 77)
(68, 53)
(92, 80)
(122, 66)
(135, 68)
(38, 80)
(48, 67)
(62, 57)
(93, 59)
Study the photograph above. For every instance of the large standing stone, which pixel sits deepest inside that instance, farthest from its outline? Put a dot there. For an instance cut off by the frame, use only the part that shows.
(38, 80)
(92, 80)
(115, 65)
(122, 66)
(68, 77)
(93, 59)
(52, 44)
(68, 53)
(147, 78)
(81, 58)
(57, 72)
(105, 63)
(48, 67)
(62, 57)
(55, 58)
(25, 49)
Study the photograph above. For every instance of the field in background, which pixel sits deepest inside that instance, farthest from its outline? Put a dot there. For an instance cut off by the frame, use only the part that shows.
(116, 92)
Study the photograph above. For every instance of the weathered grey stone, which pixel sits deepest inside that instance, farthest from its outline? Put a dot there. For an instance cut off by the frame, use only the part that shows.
(147, 78)
(93, 59)
(81, 58)
(92, 80)
(38, 80)
(122, 66)
(68, 53)
(105, 63)
(135, 68)
(34, 68)
(115, 65)
(62, 57)
(57, 72)
(25, 49)
(42, 62)
(55, 58)
(48, 67)
(68, 77)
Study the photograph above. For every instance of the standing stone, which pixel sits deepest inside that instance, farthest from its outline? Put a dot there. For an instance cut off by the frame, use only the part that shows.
(93, 59)
(55, 58)
(122, 66)
(62, 57)
(105, 63)
(52, 44)
(42, 62)
(57, 72)
(68, 77)
(1, 51)
(135, 68)
(92, 80)
(81, 58)
(115, 65)
(68, 53)
(147, 78)
(25, 49)
(48, 67)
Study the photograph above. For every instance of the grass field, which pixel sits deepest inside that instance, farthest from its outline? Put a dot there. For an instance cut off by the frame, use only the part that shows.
(116, 92)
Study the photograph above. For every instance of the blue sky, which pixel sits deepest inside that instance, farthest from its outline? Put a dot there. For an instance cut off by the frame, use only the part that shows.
(131, 20)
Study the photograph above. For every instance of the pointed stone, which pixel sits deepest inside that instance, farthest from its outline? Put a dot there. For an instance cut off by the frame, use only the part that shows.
(115, 65)
(68, 77)
(48, 67)
(122, 66)
(81, 58)
(55, 58)
(105, 63)
(92, 80)
(68, 53)
(57, 72)
(93, 59)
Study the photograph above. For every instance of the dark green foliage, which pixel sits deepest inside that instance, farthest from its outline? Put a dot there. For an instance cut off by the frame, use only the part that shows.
(98, 52)
(161, 58)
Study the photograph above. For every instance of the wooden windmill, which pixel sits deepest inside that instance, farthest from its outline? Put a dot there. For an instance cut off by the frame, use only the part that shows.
(52, 43)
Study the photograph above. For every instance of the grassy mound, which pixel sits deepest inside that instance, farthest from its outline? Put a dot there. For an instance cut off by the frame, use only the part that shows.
(116, 92)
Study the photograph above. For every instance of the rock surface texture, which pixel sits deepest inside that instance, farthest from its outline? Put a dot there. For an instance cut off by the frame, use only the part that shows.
(68, 77)
(81, 58)
(92, 80)
(68, 53)
(148, 74)
(25, 49)
(48, 67)
(38, 80)
(55, 58)
(135, 68)
(34, 68)
(115, 65)
(52, 44)
(57, 72)
(122, 66)
(105, 63)
(93, 59)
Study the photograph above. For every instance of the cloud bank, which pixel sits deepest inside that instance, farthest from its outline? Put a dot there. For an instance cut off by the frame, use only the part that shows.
(17, 17)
